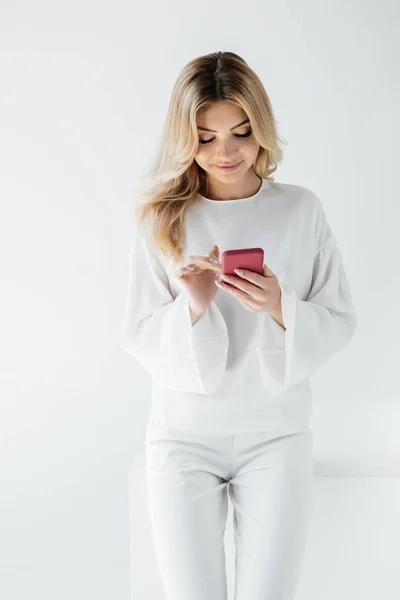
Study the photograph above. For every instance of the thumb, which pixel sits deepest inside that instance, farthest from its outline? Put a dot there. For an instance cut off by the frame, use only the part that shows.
(267, 271)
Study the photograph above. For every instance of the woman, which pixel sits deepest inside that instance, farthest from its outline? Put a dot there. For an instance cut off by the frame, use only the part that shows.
(230, 363)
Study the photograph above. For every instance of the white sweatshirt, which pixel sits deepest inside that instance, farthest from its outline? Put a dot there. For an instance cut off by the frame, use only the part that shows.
(236, 371)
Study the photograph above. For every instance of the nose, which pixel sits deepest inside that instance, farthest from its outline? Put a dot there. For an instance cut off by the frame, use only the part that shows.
(226, 151)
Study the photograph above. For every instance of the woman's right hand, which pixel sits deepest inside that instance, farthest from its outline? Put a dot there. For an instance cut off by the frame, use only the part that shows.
(200, 281)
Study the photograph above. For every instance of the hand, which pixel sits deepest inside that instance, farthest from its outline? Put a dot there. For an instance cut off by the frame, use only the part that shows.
(257, 293)
(198, 277)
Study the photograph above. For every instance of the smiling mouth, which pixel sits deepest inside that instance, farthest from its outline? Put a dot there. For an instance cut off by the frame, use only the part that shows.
(229, 166)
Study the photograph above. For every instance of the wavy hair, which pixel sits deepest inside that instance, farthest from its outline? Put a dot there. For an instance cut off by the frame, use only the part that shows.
(175, 179)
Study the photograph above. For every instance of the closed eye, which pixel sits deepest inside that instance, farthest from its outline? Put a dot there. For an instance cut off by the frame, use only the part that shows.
(243, 135)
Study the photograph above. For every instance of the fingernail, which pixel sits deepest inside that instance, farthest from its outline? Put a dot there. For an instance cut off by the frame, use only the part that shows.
(212, 260)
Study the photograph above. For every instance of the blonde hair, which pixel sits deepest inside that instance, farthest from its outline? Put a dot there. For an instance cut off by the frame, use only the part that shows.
(175, 179)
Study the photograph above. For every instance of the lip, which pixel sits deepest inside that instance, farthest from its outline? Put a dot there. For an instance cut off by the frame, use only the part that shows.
(229, 166)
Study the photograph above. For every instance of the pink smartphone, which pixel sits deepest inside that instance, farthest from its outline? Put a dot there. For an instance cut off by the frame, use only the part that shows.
(251, 259)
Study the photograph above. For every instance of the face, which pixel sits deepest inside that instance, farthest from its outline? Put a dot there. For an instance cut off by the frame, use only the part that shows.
(231, 141)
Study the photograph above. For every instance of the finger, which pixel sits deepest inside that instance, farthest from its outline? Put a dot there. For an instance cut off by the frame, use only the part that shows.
(248, 306)
(213, 252)
(251, 290)
(202, 262)
(239, 294)
(247, 301)
(254, 277)
(213, 256)
(267, 271)
(181, 271)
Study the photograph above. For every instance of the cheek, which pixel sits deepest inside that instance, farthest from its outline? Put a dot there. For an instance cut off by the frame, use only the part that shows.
(202, 152)
(251, 150)
(202, 156)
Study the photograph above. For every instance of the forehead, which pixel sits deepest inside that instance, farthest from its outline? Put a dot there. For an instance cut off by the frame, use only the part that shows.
(221, 115)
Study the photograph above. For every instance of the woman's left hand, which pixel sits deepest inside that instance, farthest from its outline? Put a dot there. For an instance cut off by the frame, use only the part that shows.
(257, 293)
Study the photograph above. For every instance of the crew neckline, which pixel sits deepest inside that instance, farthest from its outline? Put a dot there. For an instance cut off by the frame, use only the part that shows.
(238, 200)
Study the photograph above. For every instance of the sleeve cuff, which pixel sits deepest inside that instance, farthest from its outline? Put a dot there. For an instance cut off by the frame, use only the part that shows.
(211, 324)
(272, 337)
(199, 352)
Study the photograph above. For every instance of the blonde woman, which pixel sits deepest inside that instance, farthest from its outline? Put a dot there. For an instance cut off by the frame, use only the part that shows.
(230, 358)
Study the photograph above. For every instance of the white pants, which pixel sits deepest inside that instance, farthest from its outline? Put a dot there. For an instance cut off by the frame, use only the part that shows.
(270, 476)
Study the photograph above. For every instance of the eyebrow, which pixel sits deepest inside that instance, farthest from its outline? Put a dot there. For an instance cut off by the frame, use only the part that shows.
(214, 131)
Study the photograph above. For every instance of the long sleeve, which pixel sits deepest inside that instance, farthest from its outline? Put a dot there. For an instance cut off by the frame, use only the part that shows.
(316, 327)
(157, 328)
